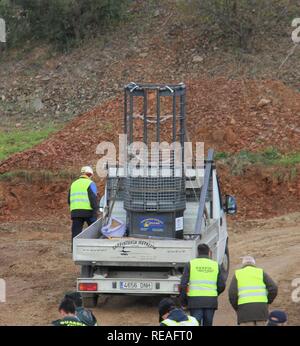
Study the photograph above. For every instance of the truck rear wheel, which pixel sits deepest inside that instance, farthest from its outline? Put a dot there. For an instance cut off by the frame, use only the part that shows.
(86, 272)
(89, 299)
(226, 263)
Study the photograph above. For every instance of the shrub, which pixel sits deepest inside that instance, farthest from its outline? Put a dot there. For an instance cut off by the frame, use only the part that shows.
(241, 21)
(61, 22)
(16, 24)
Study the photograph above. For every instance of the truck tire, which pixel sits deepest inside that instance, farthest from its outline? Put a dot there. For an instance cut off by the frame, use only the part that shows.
(86, 272)
(225, 264)
(89, 299)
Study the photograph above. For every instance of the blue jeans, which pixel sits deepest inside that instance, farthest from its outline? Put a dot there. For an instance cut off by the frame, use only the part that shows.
(204, 316)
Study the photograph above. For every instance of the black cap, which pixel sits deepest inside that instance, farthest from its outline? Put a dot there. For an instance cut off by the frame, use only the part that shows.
(277, 316)
(76, 297)
(165, 306)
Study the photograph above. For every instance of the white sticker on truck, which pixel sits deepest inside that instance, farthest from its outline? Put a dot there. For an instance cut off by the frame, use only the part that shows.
(179, 223)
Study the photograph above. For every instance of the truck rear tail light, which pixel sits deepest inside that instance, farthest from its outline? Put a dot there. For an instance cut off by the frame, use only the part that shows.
(177, 288)
(88, 286)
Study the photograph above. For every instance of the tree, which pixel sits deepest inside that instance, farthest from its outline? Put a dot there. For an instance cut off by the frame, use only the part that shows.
(241, 21)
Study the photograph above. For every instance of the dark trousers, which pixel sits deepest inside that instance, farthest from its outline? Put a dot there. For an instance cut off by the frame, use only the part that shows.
(77, 226)
(204, 316)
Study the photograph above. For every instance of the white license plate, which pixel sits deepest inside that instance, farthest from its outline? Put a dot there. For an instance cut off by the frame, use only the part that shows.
(129, 285)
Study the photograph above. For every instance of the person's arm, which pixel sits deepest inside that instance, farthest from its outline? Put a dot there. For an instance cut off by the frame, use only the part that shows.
(93, 198)
(221, 284)
(271, 287)
(56, 323)
(69, 202)
(233, 293)
(184, 284)
(94, 319)
(93, 186)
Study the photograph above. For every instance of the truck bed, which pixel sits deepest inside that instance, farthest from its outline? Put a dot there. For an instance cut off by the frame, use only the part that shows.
(89, 249)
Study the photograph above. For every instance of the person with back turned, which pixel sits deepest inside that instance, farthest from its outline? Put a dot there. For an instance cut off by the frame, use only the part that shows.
(82, 199)
(201, 284)
(171, 316)
(68, 314)
(250, 292)
(85, 316)
(277, 318)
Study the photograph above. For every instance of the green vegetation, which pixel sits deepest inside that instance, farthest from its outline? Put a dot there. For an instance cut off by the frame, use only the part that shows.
(61, 22)
(238, 162)
(18, 140)
(41, 176)
(242, 22)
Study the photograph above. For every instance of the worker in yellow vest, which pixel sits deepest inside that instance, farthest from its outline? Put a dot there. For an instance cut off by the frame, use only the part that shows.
(82, 200)
(250, 292)
(201, 284)
(171, 316)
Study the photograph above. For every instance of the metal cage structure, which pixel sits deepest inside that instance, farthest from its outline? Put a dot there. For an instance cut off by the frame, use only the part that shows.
(155, 113)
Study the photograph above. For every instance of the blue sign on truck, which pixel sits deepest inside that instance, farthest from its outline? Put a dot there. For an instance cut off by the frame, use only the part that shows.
(152, 225)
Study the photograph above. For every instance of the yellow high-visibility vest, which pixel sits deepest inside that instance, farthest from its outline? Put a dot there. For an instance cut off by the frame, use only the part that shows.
(203, 278)
(251, 286)
(192, 321)
(79, 198)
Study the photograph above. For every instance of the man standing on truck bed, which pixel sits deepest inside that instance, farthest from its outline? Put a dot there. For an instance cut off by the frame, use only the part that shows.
(82, 200)
(250, 292)
(201, 284)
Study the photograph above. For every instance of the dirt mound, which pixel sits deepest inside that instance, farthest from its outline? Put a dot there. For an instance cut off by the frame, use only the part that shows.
(227, 115)
(262, 191)
(234, 115)
(20, 200)
(74, 145)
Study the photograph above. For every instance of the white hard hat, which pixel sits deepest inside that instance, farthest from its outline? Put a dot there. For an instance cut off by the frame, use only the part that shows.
(87, 170)
(248, 260)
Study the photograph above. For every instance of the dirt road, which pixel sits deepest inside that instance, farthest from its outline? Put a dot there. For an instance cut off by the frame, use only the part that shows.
(37, 266)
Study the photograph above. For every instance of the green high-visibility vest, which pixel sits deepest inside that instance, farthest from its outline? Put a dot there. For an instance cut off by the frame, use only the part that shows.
(68, 323)
(79, 198)
(203, 278)
(191, 321)
(251, 286)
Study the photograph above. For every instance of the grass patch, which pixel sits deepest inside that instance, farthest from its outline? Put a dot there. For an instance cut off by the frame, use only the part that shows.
(19, 140)
(238, 162)
(43, 176)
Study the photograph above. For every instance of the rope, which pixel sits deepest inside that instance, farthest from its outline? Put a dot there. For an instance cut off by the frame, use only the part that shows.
(162, 118)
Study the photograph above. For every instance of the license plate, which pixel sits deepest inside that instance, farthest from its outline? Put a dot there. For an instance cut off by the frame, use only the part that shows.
(128, 285)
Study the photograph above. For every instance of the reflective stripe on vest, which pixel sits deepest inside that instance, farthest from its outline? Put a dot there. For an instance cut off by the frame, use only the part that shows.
(203, 278)
(79, 198)
(251, 286)
(192, 321)
(72, 324)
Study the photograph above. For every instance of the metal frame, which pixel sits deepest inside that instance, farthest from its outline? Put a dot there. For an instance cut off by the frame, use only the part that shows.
(204, 191)
(133, 90)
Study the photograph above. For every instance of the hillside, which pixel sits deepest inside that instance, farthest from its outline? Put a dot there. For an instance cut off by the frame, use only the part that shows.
(159, 43)
(236, 101)
(242, 101)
